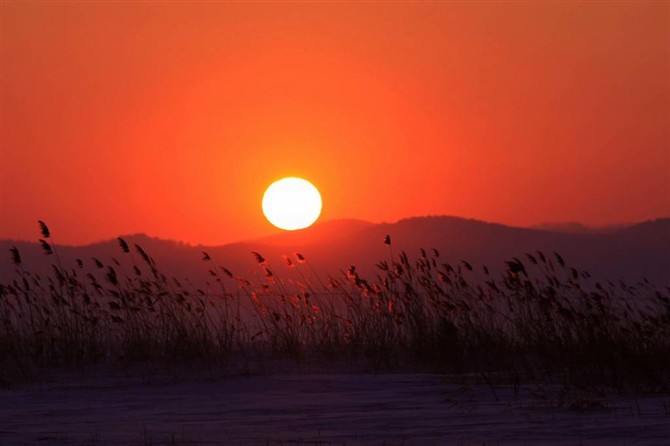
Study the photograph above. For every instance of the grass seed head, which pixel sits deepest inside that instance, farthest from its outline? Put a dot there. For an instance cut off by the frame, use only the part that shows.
(16, 257)
(44, 229)
(46, 247)
(123, 245)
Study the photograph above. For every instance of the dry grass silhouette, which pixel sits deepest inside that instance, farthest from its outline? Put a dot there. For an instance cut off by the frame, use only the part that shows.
(541, 319)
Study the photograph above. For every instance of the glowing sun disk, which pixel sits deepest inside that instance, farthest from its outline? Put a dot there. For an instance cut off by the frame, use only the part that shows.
(292, 203)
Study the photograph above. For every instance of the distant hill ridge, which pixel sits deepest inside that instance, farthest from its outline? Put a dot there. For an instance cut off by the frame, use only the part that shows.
(630, 252)
(577, 228)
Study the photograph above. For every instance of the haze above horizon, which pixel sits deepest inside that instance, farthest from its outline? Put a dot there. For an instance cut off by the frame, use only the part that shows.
(171, 119)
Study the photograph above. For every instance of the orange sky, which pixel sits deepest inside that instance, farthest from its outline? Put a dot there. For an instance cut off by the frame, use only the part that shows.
(172, 118)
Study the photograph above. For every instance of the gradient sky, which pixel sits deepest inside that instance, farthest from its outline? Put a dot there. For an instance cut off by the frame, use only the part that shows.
(172, 118)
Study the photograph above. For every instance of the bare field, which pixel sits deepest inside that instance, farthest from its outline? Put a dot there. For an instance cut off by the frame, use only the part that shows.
(323, 408)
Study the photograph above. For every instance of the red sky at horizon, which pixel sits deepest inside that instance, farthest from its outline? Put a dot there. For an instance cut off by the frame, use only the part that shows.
(171, 118)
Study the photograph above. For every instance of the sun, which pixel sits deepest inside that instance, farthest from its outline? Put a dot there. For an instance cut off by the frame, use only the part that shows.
(292, 203)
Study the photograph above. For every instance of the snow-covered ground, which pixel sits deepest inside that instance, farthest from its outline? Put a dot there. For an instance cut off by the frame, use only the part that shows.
(319, 408)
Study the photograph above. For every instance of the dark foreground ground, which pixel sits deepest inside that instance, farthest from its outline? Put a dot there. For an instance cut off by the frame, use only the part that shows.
(321, 408)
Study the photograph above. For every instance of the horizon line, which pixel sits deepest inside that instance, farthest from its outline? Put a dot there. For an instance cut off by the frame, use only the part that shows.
(550, 226)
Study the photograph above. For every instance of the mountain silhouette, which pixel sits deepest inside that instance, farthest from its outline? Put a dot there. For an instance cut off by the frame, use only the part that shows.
(630, 253)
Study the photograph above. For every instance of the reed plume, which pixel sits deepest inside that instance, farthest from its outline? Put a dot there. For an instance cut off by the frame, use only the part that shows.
(16, 257)
(44, 229)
